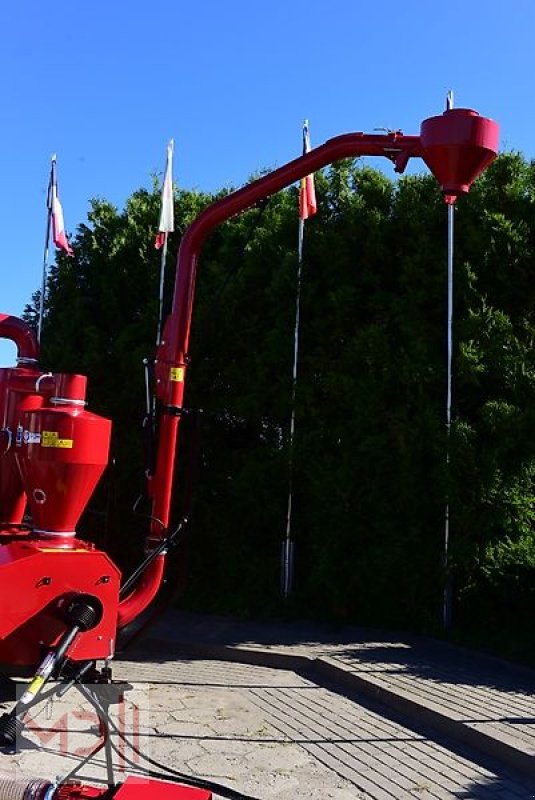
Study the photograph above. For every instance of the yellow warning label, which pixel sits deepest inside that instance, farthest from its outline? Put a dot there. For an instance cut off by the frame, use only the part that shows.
(177, 374)
(51, 439)
(35, 685)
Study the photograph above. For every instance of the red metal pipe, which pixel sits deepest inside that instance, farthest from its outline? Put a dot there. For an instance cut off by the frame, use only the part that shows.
(172, 357)
(172, 353)
(395, 146)
(448, 135)
(22, 335)
(143, 594)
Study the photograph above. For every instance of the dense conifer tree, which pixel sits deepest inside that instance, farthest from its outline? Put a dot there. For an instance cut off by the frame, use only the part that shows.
(370, 474)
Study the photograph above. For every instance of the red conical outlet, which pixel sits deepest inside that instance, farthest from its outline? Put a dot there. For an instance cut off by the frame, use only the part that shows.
(64, 452)
(457, 147)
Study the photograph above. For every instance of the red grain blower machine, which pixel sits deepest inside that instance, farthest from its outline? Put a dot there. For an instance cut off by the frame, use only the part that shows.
(61, 600)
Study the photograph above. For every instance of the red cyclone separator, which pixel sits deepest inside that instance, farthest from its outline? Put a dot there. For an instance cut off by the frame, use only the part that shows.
(457, 146)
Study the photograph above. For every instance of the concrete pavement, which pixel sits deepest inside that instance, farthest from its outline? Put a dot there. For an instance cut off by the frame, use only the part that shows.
(290, 710)
(476, 699)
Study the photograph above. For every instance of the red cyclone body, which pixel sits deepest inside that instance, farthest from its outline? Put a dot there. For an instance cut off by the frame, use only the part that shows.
(457, 146)
(52, 454)
(61, 457)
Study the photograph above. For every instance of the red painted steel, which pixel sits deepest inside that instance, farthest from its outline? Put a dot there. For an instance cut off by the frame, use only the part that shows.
(52, 453)
(457, 146)
(134, 788)
(62, 456)
(21, 334)
(172, 357)
(17, 395)
(75, 791)
(23, 388)
(144, 593)
(36, 582)
(140, 788)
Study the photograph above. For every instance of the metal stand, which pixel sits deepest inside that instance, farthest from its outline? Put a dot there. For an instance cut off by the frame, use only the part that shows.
(101, 707)
(100, 699)
(447, 596)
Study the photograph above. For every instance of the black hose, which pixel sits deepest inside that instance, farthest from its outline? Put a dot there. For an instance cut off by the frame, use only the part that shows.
(167, 773)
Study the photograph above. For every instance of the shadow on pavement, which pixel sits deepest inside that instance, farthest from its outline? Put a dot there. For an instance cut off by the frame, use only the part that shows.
(387, 650)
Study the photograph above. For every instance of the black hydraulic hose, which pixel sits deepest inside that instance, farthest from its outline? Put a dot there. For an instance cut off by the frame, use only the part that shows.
(161, 548)
(149, 420)
(155, 611)
(167, 772)
(75, 679)
(12, 723)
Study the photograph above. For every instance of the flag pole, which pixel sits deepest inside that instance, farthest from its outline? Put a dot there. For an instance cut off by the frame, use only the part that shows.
(447, 596)
(165, 226)
(307, 207)
(163, 259)
(46, 247)
(447, 585)
(288, 544)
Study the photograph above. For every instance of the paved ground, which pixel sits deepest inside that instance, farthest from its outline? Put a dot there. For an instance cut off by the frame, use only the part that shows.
(480, 700)
(322, 714)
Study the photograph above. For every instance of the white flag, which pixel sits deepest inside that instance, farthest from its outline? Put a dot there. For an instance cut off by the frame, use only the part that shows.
(167, 211)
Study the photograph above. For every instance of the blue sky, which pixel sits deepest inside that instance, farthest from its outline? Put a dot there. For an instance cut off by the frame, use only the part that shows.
(106, 84)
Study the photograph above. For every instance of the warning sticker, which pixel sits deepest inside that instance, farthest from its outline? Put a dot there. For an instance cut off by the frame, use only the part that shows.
(176, 374)
(30, 437)
(51, 439)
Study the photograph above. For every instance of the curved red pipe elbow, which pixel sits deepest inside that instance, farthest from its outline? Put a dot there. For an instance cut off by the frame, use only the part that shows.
(171, 361)
(395, 146)
(21, 334)
(143, 594)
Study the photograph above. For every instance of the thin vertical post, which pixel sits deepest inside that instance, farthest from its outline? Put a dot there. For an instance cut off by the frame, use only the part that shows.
(288, 545)
(447, 591)
(51, 181)
(163, 259)
(165, 227)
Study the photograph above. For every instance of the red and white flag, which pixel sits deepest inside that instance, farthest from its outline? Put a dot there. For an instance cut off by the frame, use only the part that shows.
(167, 211)
(307, 192)
(55, 210)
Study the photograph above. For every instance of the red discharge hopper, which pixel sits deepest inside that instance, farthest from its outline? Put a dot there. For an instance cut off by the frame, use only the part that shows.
(59, 596)
(62, 457)
(457, 147)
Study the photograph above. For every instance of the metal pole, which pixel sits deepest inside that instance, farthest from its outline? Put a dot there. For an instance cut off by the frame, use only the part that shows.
(288, 544)
(163, 259)
(166, 225)
(45, 253)
(447, 596)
